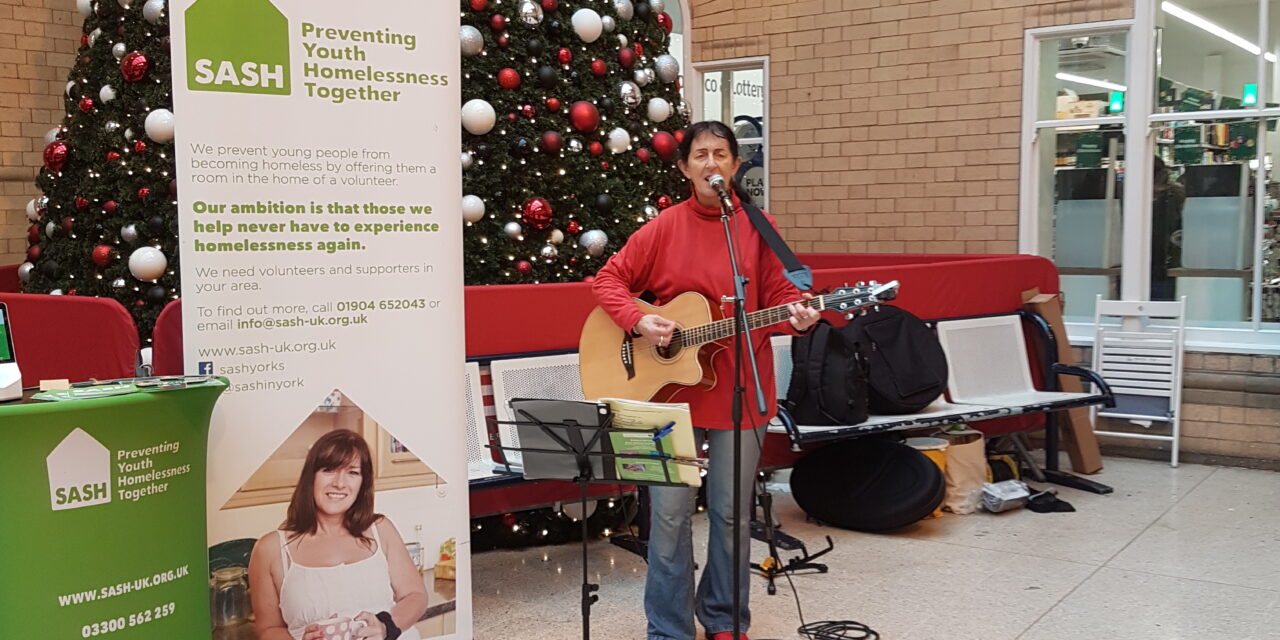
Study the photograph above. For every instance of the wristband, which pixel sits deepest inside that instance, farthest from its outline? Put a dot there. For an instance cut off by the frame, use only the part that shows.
(393, 631)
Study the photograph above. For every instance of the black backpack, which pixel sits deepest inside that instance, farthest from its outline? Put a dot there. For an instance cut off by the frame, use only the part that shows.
(828, 378)
(906, 367)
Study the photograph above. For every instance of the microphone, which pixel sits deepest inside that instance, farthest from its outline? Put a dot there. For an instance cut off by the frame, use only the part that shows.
(722, 188)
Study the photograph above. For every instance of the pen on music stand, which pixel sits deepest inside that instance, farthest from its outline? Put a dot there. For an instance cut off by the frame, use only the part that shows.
(664, 431)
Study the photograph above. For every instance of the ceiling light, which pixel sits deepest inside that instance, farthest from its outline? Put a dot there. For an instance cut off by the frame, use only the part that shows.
(1091, 82)
(1196, 20)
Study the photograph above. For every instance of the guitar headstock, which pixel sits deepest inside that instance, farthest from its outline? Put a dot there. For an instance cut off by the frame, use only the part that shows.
(848, 299)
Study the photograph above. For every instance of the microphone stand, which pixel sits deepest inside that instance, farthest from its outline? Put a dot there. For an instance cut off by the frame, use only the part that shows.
(741, 345)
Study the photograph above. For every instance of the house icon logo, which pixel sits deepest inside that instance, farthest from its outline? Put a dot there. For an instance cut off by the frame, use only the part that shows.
(79, 472)
(241, 46)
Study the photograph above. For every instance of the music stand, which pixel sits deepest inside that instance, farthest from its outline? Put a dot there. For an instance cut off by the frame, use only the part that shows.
(566, 440)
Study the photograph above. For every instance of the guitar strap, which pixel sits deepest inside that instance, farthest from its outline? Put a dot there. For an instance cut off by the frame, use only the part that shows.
(799, 275)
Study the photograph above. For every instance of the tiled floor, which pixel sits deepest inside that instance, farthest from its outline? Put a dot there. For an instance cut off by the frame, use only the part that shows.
(1192, 552)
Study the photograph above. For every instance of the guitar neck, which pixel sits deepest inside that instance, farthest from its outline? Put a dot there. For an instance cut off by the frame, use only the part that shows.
(721, 329)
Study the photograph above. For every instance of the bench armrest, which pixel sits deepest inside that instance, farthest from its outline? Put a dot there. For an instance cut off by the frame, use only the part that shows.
(1104, 389)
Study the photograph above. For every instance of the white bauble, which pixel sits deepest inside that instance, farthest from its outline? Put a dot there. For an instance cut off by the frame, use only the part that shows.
(472, 208)
(153, 11)
(85, 7)
(159, 125)
(659, 109)
(129, 233)
(147, 263)
(50, 228)
(657, 6)
(619, 140)
(24, 272)
(467, 159)
(119, 49)
(128, 134)
(608, 23)
(124, 4)
(118, 283)
(70, 85)
(478, 117)
(594, 241)
(587, 24)
(625, 9)
(52, 134)
(513, 229)
(641, 77)
(471, 39)
(93, 36)
(107, 93)
(556, 236)
(56, 292)
(33, 213)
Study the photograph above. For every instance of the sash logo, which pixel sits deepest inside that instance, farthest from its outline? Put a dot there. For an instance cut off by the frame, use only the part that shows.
(79, 472)
(240, 46)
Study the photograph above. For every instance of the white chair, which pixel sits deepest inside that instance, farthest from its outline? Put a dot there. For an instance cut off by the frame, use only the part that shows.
(480, 462)
(543, 377)
(1142, 361)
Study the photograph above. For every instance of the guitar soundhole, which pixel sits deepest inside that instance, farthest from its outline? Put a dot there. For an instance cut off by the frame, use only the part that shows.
(672, 349)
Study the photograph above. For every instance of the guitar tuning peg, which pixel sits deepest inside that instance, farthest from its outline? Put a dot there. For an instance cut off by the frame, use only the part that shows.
(861, 284)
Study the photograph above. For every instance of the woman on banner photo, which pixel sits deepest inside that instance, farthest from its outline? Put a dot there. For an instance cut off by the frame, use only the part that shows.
(335, 570)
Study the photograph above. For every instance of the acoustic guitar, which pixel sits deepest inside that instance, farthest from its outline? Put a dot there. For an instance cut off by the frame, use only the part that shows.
(614, 364)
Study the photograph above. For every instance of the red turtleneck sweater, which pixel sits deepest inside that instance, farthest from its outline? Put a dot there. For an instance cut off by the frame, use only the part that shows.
(683, 249)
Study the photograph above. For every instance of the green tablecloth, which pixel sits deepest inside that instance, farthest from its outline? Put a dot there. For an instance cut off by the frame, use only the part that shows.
(104, 529)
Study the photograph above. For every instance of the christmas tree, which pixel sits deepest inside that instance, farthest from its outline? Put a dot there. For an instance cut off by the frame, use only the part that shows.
(572, 113)
(106, 224)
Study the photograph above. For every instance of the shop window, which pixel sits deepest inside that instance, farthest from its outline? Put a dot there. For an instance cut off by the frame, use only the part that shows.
(736, 93)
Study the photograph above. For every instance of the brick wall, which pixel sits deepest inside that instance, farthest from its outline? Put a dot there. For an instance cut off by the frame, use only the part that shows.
(894, 122)
(38, 42)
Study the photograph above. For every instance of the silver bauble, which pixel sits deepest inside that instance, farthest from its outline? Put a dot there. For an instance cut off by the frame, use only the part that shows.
(529, 12)
(85, 7)
(608, 23)
(641, 77)
(24, 272)
(625, 9)
(153, 11)
(128, 134)
(630, 93)
(594, 241)
(667, 67)
(52, 134)
(107, 93)
(129, 233)
(111, 126)
(119, 49)
(33, 214)
(657, 6)
(650, 212)
(93, 36)
(118, 283)
(472, 41)
(513, 229)
(575, 145)
(683, 108)
(467, 159)
(42, 202)
(548, 252)
(50, 228)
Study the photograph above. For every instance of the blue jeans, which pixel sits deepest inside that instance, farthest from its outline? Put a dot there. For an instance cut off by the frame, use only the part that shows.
(670, 601)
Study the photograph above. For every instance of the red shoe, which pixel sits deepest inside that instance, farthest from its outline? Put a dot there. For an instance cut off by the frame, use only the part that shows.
(725, 635)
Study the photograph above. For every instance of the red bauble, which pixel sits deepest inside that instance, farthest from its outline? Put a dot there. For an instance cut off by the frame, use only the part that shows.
(139, 303)
(550, 5)
(642, 154)
(604, 166)
(586, 279)
(112, 156)
(55, 155)
(573, 227)
(525, 268)
(102, 255)
(553, 104)
(143, 192)
(584, 116)
(639, 48)
(664, 201)
(109, 206)
(626, 58)
(536, 213)
(598, 67)
(565, 56)
(479, 5)
(664, 20)
(504, 41)
(508, 78)
(664, 144)
(139, 146)
(86, 105)
(33, 234)
(33, 253)
(81, 203)
(84, 40)
(68, 224)
(134, 66)
(528, 111)
(551, 142)
(498, 22)
(511, 117)
(596, 148)
(679, 135)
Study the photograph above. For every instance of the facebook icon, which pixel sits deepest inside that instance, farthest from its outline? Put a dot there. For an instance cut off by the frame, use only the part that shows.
(206, 368)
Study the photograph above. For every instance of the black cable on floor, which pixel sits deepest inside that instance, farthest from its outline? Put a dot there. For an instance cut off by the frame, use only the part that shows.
(838, 630)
